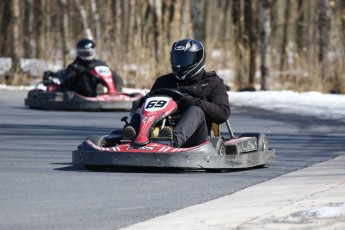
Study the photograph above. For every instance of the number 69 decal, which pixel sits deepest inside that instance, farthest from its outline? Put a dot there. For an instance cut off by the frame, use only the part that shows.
(156, 103)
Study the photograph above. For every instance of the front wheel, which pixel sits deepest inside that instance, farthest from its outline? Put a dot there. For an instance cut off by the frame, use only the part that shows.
(261, 138)
(262, 143)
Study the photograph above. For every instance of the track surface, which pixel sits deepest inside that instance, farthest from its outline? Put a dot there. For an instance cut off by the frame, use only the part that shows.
(40, 189)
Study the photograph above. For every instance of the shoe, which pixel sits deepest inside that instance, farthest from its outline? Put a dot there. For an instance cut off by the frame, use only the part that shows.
(129, 133)
(166, 132)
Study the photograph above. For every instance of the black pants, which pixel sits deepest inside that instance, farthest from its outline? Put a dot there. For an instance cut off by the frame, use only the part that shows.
(190, 130)
(86, 86)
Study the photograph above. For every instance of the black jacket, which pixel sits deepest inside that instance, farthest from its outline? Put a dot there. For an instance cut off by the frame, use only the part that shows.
(216, 102)
(77, 68)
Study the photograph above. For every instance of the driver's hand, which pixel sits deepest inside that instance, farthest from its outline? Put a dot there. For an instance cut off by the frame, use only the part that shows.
(185, 102)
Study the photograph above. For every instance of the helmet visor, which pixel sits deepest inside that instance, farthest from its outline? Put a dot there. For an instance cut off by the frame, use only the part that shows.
(86, 53)
(182, 59)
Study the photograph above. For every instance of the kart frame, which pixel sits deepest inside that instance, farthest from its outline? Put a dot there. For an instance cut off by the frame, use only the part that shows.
(250, 150)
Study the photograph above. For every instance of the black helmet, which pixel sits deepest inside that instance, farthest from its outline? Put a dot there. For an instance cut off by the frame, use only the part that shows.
(187, 58)
(86, 49)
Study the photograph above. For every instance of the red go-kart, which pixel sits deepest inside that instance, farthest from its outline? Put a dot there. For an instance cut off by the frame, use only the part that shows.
(148, 150)
(55, 97)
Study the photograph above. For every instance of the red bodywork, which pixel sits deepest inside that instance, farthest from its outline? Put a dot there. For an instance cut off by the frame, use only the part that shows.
(153, 110)
(104, 73)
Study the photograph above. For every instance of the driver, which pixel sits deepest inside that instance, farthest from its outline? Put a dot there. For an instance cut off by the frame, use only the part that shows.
(206, 102)
(78, 76)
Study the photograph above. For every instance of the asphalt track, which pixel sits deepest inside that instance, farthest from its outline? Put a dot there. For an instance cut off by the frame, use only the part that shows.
(40, 189)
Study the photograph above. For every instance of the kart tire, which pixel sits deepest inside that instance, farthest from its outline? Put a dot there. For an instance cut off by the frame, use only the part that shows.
(214, 170)
(33, 93)
(97, 140)
(93, 167)
(261, 141)
(218, 144)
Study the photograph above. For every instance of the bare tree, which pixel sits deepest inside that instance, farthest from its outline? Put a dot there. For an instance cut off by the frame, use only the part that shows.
(156, 7)
(240, 65)
(16, 46)
(64, 31)
(135, 36)
(29, 41)
(39, 9)
(5, 30)
(97, 22)
(265, 31)
(85, 21)
(252, 40)
(197, 20)
(323, 25)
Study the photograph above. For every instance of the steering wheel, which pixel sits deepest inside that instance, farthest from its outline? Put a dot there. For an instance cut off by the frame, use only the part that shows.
(175, 94)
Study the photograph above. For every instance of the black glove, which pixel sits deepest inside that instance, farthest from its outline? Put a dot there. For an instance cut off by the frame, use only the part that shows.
(185, 102)
(193, 91)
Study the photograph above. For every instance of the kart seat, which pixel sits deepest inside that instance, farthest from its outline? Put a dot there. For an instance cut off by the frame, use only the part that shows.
(215, 130)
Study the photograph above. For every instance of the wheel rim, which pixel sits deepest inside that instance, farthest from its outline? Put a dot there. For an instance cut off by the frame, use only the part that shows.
(222, 150)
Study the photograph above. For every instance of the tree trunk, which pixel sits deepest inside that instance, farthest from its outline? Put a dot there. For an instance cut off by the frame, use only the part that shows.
(323, 25)
(285, 35)
(14, 74)
(40, 32)
(197, 22)
(84, 19)
(252, 40)
(29, 41)
(64, 32)
(265, 32)
(97, 22)
(176, 24)
(5, 29)
(241, 66)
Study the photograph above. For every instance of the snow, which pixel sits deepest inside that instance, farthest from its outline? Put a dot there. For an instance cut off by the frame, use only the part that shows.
(316, 104)
(35, 67)
(332, 211)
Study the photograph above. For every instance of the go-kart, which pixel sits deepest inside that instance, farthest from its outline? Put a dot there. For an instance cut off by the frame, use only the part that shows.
(56, 97)
(148, 150)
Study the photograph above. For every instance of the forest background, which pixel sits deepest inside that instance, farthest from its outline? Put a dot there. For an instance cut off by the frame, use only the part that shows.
(254, 44)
